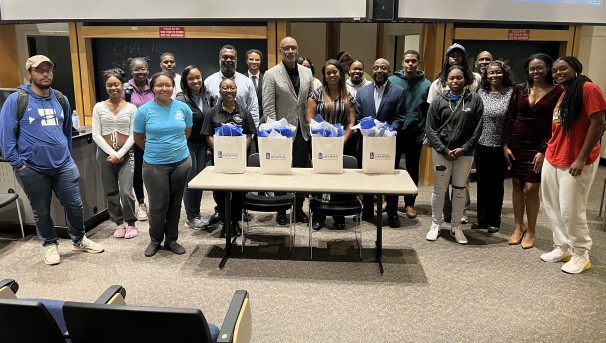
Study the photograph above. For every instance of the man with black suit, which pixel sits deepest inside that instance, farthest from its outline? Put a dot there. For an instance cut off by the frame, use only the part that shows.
(253, 61)
(286, 87)
(386, 102)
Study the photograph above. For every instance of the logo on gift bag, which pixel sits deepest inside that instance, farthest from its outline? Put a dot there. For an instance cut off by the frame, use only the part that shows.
(227, 155)
(379, 156)
(329, 157)
(267, 156)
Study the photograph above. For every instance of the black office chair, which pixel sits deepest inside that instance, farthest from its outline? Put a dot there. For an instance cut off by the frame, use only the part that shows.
(9, 198)
(35, 320)
(260, 203)
(337, 208)
(91, 323)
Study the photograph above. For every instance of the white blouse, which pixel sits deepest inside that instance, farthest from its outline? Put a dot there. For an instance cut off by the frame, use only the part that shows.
(107, 123)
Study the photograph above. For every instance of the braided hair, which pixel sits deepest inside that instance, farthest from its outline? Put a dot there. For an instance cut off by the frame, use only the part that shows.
(572, 104)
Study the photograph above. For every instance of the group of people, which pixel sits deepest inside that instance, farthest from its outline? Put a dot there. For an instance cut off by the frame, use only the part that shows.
(158, 131)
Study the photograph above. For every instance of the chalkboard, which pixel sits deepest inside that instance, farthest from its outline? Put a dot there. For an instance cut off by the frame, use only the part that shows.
(204, 53)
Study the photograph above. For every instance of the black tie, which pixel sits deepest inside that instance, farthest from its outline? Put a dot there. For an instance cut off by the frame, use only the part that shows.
(254, 78)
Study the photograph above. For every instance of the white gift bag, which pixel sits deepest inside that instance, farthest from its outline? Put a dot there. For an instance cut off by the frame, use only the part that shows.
(275, 155)
(230, 154)
(378, 155)
(327, 155)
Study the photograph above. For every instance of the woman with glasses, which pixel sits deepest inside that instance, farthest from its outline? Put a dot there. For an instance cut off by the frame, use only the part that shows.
(200, 102)
(336, 106)
(138, 92)
(113, 133)
(527, 129)
(495, 91)
(228, 111)
(161, 129)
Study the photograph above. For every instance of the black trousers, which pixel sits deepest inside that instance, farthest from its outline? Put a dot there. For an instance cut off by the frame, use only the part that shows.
(138, 174)
(407, 143)
(236, 205)
(301, 152)
(491, 168)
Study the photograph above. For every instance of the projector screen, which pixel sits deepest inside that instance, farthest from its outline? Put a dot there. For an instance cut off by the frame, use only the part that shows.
(531, 11)
(56, 10)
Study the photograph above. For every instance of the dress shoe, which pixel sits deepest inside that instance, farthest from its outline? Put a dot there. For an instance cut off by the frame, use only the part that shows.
(247, 217)
(410, 212)
(236, 229)
(477, 226)
(301, 217)
(527, 242)
(175, 248)
(516, 240)
(317, 225)
(152, 249)
(394, 221)
(215, 218)
(493, 229)
(339, 226)
(281, 218)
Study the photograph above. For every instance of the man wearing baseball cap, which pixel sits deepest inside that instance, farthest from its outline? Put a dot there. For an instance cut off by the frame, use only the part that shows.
(37, 146)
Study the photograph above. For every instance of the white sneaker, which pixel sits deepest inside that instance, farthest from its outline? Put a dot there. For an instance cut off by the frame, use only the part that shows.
(458, 234)
(200, 223)
(433, 233)
(88, 246)
(464, 219)
(556, 255)
(142, 212)
(51, 254)
(577, 264)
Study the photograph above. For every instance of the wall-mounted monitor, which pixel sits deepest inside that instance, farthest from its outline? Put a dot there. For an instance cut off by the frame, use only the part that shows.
(527, 11)
(82, 10)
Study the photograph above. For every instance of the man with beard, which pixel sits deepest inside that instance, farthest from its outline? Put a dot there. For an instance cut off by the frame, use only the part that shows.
(168, 64)
(356, 77)
(246, 97)
(37, 146)
(410, 137)
(482, 61)
(386, 102)
(286, 87)
(253, 61)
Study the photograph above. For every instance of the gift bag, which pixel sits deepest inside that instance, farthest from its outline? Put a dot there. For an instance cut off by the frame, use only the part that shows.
(327, 155)
(379, 155)
(275, 155)
(230, 154)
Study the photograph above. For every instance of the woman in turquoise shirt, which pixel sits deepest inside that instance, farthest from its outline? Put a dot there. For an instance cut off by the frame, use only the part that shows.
(161, 129)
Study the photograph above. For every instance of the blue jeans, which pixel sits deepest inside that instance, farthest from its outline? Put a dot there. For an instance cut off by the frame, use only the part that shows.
(39, 189)
(193, 197)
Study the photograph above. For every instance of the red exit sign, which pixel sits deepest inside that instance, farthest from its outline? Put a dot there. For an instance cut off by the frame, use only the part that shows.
(518, 34)
(172, 31)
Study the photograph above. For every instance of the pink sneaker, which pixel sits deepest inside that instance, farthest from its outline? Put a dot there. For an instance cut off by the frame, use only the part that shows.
(120, 231)
(131, 232)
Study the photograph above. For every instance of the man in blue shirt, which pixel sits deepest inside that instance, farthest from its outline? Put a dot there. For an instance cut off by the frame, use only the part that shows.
(37, 147)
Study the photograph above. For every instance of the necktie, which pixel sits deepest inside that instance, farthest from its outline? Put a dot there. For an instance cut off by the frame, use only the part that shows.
(254, 78)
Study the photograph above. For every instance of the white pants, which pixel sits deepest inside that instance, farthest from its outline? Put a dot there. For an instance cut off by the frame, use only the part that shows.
(565, 202)
(459, 169)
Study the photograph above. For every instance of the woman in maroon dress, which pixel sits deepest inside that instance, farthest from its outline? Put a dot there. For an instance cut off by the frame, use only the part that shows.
(527, 129)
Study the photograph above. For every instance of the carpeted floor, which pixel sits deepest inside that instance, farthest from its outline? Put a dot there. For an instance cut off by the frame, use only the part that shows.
(438, 291)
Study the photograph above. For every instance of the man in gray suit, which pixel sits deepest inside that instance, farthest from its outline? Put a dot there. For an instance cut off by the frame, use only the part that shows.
(285, 90)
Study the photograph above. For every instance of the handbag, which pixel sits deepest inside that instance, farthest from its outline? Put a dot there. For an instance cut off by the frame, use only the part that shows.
(426, 141)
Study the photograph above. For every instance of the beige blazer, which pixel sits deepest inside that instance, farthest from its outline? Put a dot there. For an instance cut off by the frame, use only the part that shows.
(280, 100)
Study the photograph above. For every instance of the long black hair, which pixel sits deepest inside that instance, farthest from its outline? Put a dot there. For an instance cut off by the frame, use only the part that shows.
(185, 87)
(572, 104)
(507, 82)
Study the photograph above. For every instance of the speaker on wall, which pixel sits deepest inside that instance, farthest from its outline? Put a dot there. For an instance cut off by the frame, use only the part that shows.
(384, 10)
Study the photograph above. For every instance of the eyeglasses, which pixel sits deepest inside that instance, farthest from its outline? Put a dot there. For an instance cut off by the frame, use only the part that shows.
(163, 85)
(48, 71)
(536, 69)
(377, 68)
(140, 70)
(289, 47)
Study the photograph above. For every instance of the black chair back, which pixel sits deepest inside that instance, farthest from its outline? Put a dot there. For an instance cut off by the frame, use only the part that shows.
(92, 323)
(253, 160)
(27, 321)
(350, 162)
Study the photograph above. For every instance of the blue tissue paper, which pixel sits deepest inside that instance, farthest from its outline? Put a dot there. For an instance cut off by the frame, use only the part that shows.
(228, 130)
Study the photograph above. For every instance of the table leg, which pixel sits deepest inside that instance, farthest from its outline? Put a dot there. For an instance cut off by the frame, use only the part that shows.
(227, 225)
(379, 241)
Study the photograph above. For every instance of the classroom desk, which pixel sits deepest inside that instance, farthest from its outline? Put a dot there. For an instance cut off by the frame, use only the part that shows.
(304, 180)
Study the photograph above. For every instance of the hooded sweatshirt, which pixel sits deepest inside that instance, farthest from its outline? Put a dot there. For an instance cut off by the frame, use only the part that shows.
(44, 138)
(463, 130)
(417, 90)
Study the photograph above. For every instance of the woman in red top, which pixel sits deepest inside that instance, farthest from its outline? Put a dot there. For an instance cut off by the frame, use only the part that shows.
(571, 161)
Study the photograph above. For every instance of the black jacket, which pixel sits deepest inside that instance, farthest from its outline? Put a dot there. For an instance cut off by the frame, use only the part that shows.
(209, 101)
